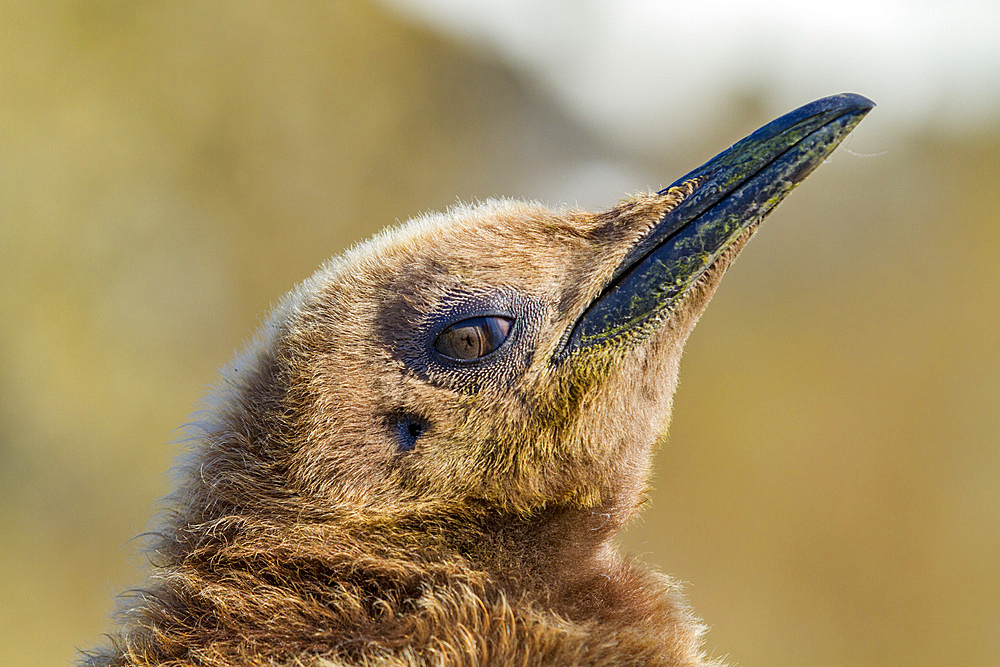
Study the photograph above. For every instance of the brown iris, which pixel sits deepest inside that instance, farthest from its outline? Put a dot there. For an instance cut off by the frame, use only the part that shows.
(473, 338)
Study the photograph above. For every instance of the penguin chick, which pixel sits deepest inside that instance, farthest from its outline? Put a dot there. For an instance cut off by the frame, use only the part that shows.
(426, 453)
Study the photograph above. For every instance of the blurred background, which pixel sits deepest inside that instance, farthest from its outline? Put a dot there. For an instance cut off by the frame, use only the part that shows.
(830, 488)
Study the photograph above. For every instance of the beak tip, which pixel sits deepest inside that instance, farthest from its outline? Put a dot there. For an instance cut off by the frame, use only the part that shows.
(850, 102)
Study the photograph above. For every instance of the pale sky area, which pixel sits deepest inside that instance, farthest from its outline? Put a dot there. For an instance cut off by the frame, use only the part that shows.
(636, 69)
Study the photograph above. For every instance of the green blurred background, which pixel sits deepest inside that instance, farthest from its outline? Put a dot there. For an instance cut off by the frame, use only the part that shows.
(831, 484)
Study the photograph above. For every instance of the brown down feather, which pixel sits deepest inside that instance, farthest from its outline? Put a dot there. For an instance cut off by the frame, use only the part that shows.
(300, 534)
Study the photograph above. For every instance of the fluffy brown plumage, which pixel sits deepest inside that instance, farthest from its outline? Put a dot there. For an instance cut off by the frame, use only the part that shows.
(352, 498)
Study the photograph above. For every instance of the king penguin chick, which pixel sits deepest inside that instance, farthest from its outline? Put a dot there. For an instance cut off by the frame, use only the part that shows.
(425, 455)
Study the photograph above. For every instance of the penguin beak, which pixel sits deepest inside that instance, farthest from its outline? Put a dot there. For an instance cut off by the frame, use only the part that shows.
(732, 193)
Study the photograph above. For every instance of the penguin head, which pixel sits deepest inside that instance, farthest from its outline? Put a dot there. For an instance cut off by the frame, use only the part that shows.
(431, 365)
(509, 356)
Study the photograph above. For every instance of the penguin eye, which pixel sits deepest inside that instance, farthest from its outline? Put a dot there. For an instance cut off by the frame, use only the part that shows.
(473, 338)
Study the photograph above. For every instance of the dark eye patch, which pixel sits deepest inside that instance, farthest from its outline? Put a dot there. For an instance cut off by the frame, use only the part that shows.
(473, 338)
(415, 334)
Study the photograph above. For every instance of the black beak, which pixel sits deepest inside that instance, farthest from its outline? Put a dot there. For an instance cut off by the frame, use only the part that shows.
(733, 191)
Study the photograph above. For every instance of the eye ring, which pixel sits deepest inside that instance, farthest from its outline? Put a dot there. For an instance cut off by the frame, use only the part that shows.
(473, 338)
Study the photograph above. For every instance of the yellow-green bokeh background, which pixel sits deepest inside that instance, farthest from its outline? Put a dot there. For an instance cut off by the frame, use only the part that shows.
(831, 484)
